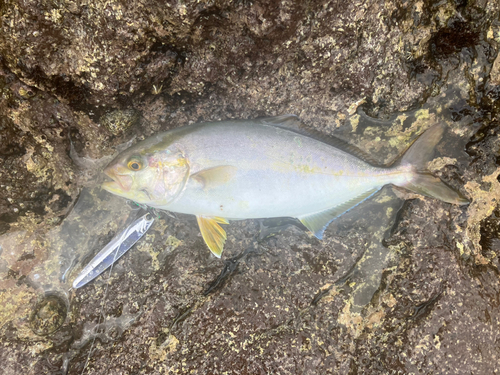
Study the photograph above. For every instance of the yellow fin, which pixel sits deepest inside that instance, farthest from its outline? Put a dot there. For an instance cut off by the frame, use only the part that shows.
(212, 233)
(216, 176)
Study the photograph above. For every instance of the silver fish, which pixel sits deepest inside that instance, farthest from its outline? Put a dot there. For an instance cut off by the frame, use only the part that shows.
(243, 169)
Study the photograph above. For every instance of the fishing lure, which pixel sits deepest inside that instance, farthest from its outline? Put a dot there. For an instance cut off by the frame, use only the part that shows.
(118, 246)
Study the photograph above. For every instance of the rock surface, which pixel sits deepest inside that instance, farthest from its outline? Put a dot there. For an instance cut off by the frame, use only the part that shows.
(400, 285)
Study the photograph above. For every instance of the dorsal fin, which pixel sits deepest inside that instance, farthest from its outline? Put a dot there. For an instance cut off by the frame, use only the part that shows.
(293, 124)
(289, 122)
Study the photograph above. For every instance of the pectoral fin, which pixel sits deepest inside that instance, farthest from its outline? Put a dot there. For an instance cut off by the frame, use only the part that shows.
(319, 221)
(212, 233)
(216, 176)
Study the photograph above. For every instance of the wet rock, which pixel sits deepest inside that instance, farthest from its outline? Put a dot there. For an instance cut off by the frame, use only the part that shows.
(415, 294)
(119, 121)
(48, 315)
(36, 176)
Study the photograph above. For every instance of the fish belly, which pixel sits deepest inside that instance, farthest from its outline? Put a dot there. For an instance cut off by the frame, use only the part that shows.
(278, 173)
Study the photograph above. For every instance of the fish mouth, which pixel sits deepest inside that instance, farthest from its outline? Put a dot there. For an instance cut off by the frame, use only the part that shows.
(120, 183)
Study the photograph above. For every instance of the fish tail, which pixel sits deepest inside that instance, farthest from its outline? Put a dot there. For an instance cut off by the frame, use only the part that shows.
(421, 181)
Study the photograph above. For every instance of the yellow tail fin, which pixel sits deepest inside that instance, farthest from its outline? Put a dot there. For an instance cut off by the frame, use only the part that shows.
(423, 182)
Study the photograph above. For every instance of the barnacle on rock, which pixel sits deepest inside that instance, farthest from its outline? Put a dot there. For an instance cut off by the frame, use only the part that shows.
(119, 120)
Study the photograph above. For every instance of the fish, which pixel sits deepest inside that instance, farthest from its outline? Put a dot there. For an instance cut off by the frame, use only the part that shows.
(264, 168)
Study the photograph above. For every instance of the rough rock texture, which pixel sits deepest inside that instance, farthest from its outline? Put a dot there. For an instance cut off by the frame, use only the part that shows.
(394, 288)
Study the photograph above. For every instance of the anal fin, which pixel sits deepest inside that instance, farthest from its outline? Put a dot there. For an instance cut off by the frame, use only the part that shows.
(317, 222)
(212, 233)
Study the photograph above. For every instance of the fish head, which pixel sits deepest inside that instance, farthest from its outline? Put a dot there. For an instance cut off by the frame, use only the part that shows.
(154, 176)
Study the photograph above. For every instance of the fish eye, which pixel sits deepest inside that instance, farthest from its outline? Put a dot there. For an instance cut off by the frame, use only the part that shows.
(134, 165)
